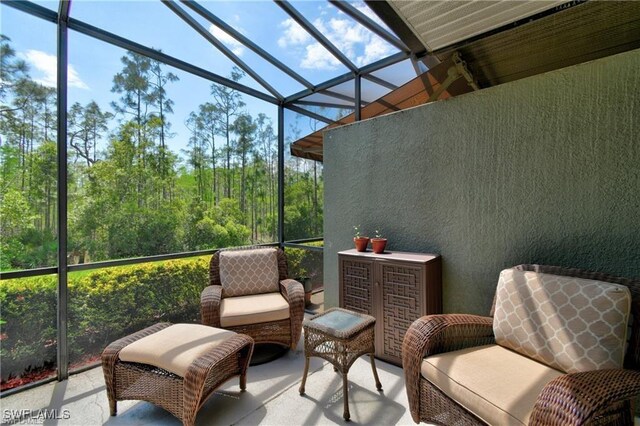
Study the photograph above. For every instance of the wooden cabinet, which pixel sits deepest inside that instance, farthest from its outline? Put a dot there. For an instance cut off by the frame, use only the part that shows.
(395, 287)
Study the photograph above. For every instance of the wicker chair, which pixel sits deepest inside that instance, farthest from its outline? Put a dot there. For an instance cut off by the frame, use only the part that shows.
(600, 396)
(282, 331)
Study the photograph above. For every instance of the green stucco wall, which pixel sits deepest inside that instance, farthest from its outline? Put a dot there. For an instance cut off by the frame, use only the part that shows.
(540, 170)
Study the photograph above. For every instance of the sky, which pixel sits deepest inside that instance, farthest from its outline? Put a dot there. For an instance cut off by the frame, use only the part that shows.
(92, 63)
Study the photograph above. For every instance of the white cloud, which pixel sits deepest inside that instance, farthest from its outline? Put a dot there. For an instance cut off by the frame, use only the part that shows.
(356, 42)
(293, 34)
(234, 45)
(374, 50)
(46, 65)
(362, 7)
(317, 57)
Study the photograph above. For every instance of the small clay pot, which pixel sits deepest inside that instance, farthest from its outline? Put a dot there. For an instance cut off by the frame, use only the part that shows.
(361, 243)
(378, 245)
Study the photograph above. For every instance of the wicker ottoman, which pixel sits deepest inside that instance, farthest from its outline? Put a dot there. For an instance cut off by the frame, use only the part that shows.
(339, 336)
(176, 367)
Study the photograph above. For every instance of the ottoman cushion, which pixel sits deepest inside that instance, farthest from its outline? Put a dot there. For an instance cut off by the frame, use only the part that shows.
(175, 347)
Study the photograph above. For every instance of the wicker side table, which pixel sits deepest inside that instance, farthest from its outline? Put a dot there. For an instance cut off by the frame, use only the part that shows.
(339, 336)
(182, 396)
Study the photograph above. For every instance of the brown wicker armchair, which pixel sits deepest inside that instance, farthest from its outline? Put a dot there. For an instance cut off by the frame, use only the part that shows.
(599, 396)
(269, 315)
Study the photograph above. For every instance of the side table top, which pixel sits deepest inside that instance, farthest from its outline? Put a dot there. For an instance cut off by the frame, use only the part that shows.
(339, 322)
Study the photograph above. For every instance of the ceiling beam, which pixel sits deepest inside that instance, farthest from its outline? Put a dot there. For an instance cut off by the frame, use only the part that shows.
(380, 82)
(206, 14)
(63, 10)
(340, 96)
(310, 114)
(313, 31)
(324, 104)
(367, 69)
(220, 46)
(33, 9)
(126, 44)
(369, 23)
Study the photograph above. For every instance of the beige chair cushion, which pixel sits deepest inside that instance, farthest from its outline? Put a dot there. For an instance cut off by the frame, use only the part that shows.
(252, 271)
(496, 384)
(568, 323)
(253, 309)
(174, 348)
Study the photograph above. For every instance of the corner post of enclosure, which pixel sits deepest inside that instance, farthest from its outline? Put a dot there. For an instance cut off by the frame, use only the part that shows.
(281, 174)
(62, 349)
(358, 95)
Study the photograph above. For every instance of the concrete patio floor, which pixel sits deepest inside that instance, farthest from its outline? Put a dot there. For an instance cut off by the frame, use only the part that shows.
(271, 398)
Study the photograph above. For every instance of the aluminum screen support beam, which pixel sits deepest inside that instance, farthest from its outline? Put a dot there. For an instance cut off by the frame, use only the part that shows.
(115, 40)
(380, 82)
(367, 69)
(325, 104)
(220, 46)
(33, 9)
(62, 349)
(369, 23)
(358, 91)
(206, 14)
(310, 114)
(281, 175)
(313, 31)
(340, 96)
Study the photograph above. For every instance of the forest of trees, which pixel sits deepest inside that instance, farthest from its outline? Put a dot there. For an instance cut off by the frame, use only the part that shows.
(129, 194)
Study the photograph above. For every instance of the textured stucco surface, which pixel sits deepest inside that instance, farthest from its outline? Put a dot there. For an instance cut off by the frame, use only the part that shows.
(544, 169)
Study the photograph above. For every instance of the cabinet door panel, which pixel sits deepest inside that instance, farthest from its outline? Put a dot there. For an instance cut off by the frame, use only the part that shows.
(356, 279)
(402, 293)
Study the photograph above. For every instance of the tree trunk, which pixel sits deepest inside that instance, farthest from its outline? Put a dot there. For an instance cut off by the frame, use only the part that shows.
(228, 190)
(213, 167)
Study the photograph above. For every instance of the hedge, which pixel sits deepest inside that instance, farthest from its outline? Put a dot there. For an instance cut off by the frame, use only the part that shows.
(104, 305)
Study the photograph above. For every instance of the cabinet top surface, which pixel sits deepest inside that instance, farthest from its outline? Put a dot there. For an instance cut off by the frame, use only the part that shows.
(392, 255)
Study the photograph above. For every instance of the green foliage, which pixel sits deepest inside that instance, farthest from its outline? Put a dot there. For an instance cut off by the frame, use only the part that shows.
(303, 263)
(104, 305)
(128, 194)
(15, 214)
(28, 330)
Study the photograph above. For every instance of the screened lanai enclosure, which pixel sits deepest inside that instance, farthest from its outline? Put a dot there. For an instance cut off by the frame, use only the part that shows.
(139, 137)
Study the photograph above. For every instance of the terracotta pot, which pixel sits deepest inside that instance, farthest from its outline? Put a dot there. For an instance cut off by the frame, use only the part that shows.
(361, 243)
(378, 244)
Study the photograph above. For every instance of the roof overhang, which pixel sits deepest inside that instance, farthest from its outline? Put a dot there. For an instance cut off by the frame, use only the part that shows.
(447, 79)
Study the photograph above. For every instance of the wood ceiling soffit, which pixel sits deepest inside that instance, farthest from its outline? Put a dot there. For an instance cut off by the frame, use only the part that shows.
(413, 93)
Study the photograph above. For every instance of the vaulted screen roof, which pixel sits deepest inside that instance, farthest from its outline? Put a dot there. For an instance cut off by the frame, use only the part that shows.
(286, 49)
(498, 42)
(329, 58)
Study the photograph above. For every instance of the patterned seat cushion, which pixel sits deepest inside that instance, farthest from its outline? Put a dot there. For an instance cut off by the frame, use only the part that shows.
(244, 272)
(568, 323)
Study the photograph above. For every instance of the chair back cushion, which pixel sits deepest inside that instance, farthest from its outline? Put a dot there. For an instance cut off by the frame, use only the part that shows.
(244, 272)
(567, 323)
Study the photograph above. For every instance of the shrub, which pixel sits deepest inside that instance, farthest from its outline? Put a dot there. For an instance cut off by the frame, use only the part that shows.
(104, 305)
